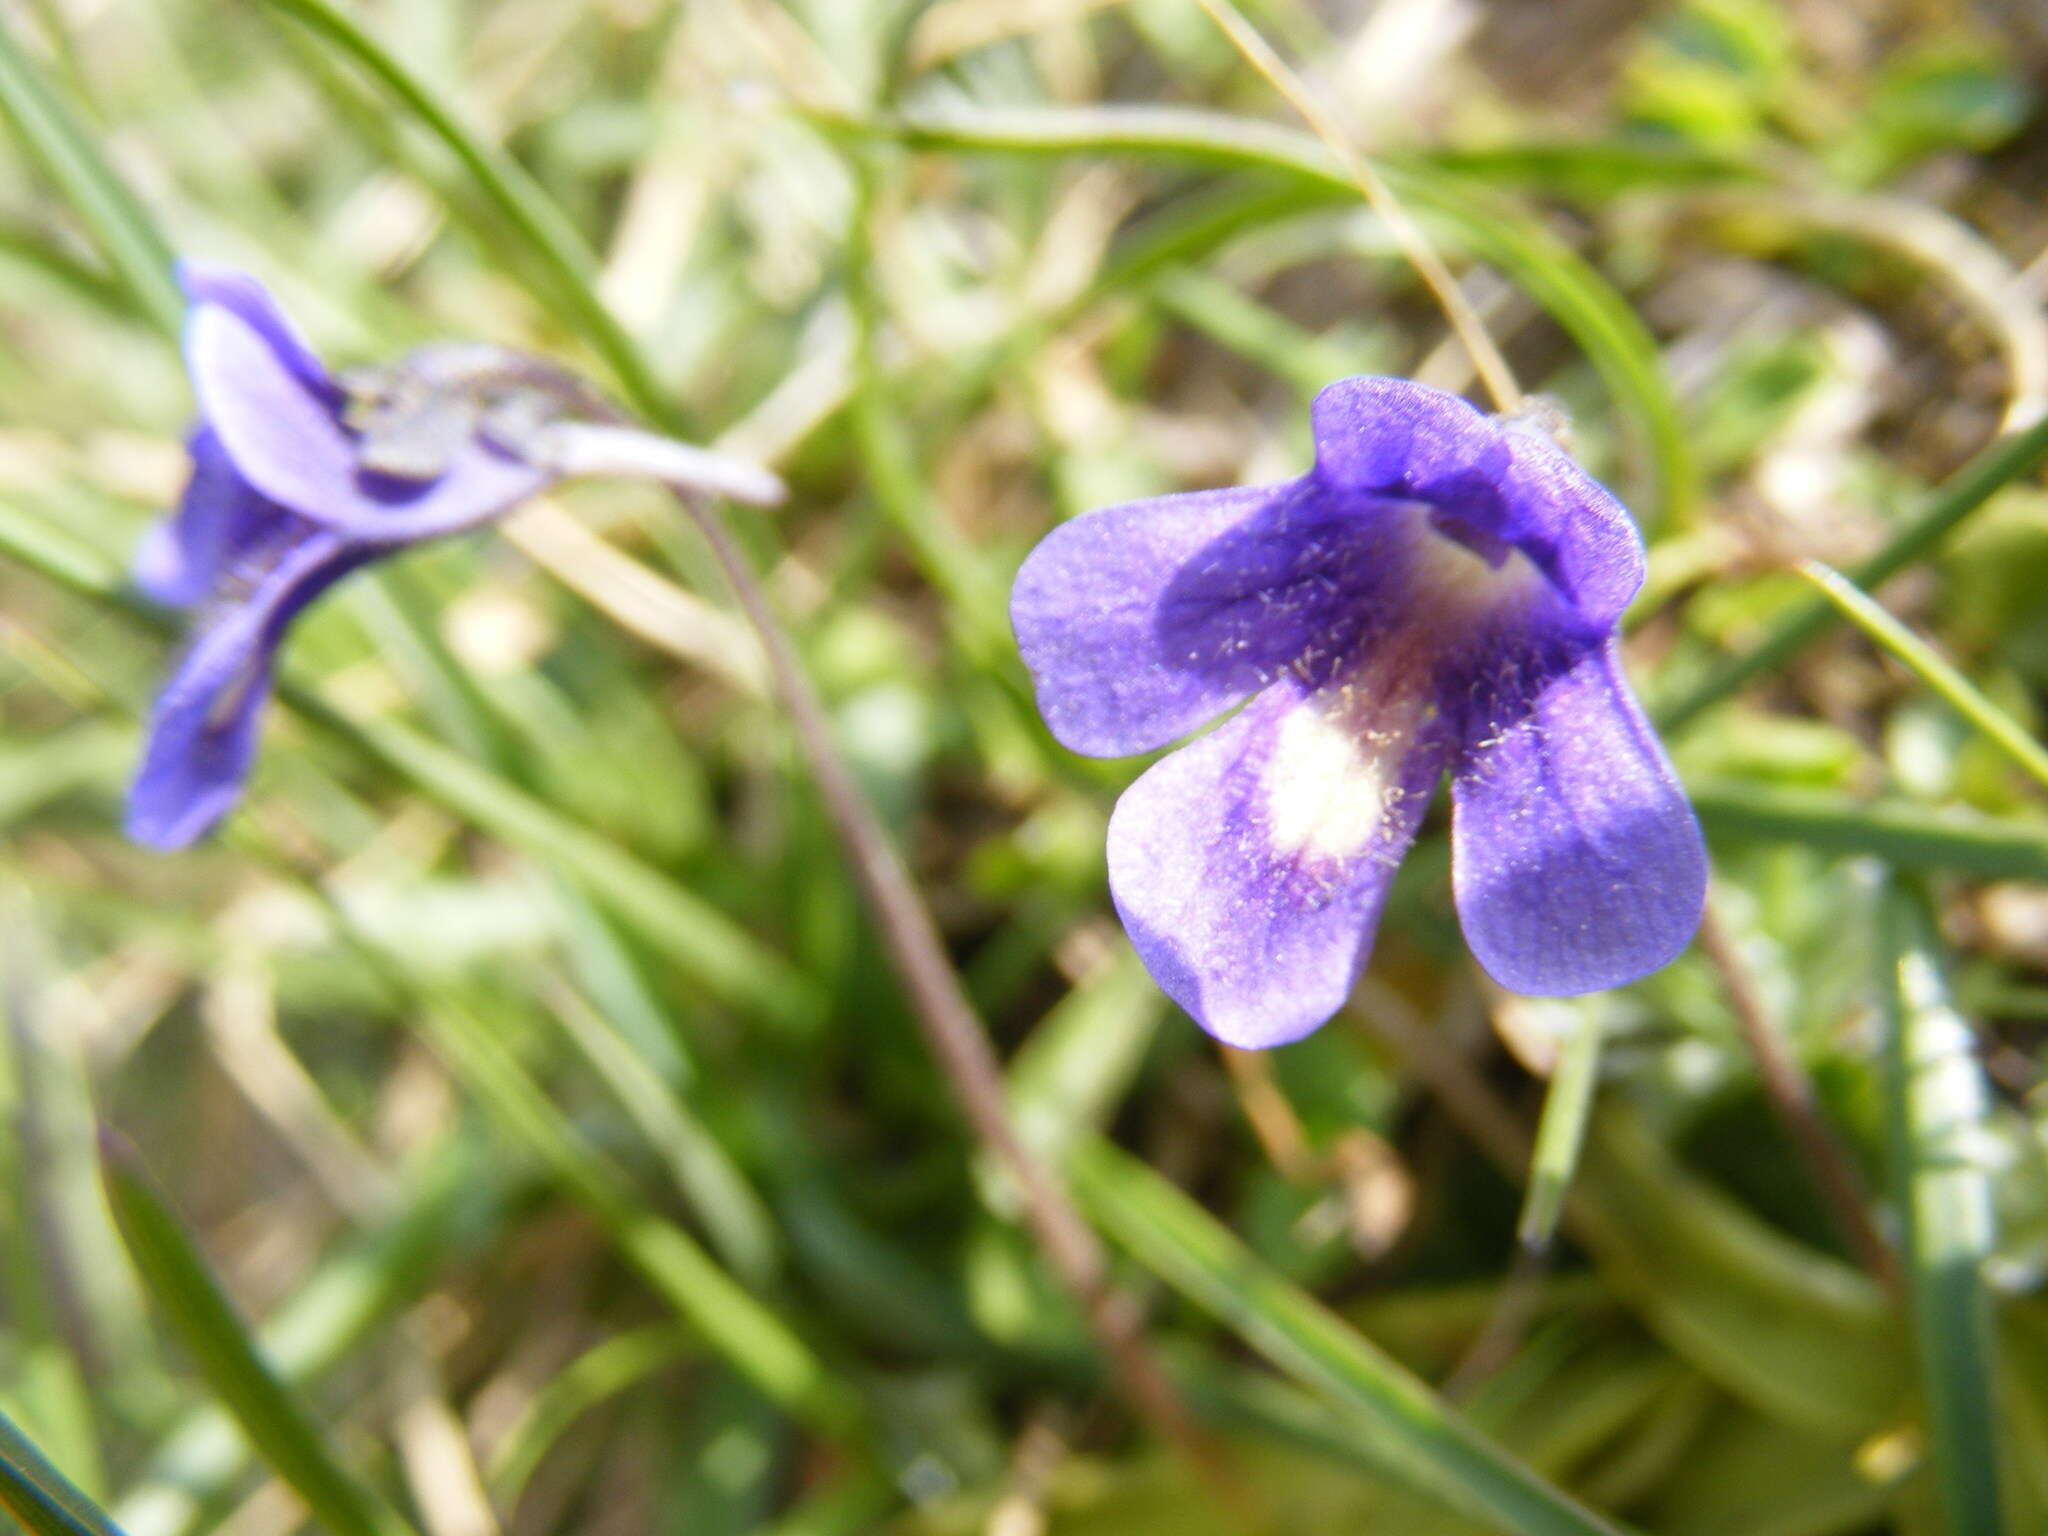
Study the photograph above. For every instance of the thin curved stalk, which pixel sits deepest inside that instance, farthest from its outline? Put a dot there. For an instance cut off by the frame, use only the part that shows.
(2005, 460)
(941, 1007)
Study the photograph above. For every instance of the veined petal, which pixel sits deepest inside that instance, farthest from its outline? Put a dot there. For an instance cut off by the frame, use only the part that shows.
(1139, 622)
(203, 730)
(1250, 866)
(1576, 859)
(1503, 481)
(284, 433)
(184, 556)
(243, 296)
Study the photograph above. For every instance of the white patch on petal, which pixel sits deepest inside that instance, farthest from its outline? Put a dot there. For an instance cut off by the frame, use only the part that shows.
(1454, 584)
(1335, 771)
(1336, 778)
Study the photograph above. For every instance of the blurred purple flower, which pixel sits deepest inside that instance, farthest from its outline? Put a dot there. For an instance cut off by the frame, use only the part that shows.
(300, 477)
(1439, 593)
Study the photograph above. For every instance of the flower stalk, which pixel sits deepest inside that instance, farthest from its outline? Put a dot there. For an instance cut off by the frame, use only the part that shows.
(945, 1016)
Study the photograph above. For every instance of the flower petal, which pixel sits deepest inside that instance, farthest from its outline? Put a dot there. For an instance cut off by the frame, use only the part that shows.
(203, 730)
(184, 557)
(243, 296)
(283, 431)
(1141, 621)
(1250, 866)
(1576, 859)
(1503, 479)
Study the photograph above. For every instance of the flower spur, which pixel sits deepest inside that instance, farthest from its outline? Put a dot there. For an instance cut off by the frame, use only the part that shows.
(1439, 593)
(300, 477)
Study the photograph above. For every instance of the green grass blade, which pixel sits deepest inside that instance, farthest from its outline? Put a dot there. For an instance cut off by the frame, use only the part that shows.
(716, 1192)
(40, 1497)
(600, 1372)
(1220, 310)
(722, 1311)
(1793, 1331)
(1927, 664)
(1441, 1454)
(1899, 832)
(728, 962)
(360, 1287)
(1937, 1104)
(2010, 458)
(526, 209)
(1561, 1132)
(1586, 306)
(1080, 1062)
(215, 1339)
(718, 954)
(1490, 226)
(52, 134)
(52, 551)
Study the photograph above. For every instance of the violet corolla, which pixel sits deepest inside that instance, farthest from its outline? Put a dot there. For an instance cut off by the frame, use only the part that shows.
(1438, 594)
(300, 476)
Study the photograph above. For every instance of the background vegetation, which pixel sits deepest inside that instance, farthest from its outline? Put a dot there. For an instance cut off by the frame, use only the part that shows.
(534, 1140)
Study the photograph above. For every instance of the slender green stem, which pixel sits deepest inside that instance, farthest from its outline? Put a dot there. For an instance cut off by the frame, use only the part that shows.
(126, 235)
(1933, 669)
(1561, 1132)
(39, 1497)
(2004, 461)
(1436, 1450)
(1937, 1105)
(1899, 832)
(219, 1344)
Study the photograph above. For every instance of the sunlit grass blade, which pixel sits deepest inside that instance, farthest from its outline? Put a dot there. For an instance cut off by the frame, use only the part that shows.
(714, 951)
(975, 593)
(1942, 1179)
(1081, 1060)
(52, 134)
(220, 1346)
(705, 944)
(40, 1497)
(2004, 461)
(1899, 832)
(1798, 1333)
(723, 1312)
(1223, 312)
(33, 773)
(454, 1196)
(599, 1373)
(733, 1215)
(1927, 664)
(1442, 1455)
(1603, 323)
(1489, 226)
(533, 216)
(1561, 1131)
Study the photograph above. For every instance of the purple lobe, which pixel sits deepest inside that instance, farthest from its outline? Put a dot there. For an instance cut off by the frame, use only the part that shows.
(283, 430)
(249, 301)
(1576, 860)
(1140, 622)
(1249, 867)
(185, 557)
(203, 729)
(1504, 480)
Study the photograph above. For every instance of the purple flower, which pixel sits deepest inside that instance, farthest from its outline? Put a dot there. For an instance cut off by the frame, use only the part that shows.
(300, 477)
(1438, 594)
